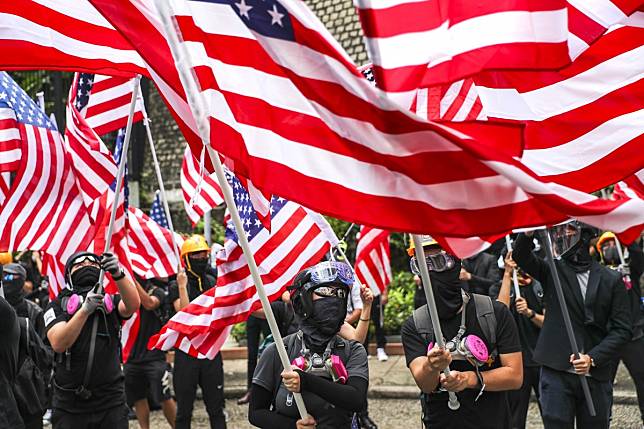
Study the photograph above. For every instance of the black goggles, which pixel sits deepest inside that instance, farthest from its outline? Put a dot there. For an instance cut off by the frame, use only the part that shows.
(438, 262)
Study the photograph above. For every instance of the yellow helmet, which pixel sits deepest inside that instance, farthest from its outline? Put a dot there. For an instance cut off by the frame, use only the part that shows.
(604, 238)
(195, 243)
(426, 240)
(6, 258)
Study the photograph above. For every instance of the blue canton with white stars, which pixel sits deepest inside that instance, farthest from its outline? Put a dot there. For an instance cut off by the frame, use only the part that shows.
(118, 150)
(83, 89)
(157, 213)
(252, 224)
(266, 17)
(16, 99)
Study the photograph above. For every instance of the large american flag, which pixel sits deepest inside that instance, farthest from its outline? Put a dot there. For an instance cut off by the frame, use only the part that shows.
(298, 239)
(104, 101)
(200, 189)
(375, 163)
(373, 266)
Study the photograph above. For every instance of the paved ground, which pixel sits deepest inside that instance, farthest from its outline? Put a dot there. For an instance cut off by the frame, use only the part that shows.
(392, 404)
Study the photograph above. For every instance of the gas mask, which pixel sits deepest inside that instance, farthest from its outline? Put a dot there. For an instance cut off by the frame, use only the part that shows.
(610, 255)
(326, 365)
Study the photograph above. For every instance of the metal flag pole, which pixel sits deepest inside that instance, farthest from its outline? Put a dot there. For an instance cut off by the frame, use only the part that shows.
(194, 96)
(515, 279)
(157, 170)
(453, 403)
(566, 317)
(119, 176)
(346, 234)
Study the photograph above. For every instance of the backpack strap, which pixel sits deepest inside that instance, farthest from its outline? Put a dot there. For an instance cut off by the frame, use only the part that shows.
(486, 318)
(423, 323)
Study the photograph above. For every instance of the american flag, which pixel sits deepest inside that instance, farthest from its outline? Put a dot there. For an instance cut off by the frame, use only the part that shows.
(201, 191)
(104, 101)
(157, 213)
(373, 266)
(63, 35)
(298, 239)
(631, 188)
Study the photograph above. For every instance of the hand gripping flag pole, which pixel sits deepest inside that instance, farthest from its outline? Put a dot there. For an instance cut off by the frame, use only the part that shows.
(194, 97)
(566, 317)
(119, 177)
(453, 403)
(515, 279)
(157, 170)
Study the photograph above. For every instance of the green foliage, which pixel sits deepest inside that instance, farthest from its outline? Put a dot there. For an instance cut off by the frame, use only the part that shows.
(401, 302)
(239, 332)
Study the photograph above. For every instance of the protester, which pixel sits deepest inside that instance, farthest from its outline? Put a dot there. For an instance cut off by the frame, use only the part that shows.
(528, 313)
(482, 350)
(377, 315)
(598, 305)
(333, 389)
(633, 352)
(13, 283)
(189, 371)
(480, 272)
(256, 327)
(83, 328)
(147, 374)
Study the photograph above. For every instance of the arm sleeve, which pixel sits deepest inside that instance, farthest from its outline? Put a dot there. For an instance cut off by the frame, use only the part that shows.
(507, 334)
(260, 414)
(351, 396)
(620, 330)
(413, 344)
(528, 261)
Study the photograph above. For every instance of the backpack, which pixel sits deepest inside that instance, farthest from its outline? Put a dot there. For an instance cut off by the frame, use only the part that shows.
(30, 386)
(484, 314)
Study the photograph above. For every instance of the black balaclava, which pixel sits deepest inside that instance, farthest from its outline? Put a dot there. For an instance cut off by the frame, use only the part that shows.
(610, 256)
(198, 266)
(84, 279)
(578, 258)
(13, 291)
(447, 291)
(324, 323)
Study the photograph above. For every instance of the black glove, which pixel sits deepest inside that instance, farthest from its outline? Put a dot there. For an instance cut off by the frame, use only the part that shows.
(110, 263)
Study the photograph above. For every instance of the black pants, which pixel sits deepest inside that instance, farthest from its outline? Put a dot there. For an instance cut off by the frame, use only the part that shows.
(254, 328)
(632, 355)
(520, 399)
(209, 374)
(563, 402)
(113, 418)
(381, 341)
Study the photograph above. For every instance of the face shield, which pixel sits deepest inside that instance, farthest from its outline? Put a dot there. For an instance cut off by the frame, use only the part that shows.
(331, 272)
(565, 238)
(438, 262)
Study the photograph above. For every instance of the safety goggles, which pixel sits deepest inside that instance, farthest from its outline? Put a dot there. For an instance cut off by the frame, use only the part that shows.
(438, 262)
(330, 291)
(86, 258)
(331, 272)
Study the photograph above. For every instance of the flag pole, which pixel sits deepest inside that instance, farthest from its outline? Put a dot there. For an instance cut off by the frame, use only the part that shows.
(515, 279)
(566, 319)
(157, 170)
(119, 176)
(453, 403)
(194, 96)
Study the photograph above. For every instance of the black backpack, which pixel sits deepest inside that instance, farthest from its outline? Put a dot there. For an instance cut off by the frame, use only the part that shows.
(30, 387)
(484, 315)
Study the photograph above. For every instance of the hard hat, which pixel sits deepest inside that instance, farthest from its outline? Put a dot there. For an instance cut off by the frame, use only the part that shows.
(195, 243)
(426, 240)
(604, 238)
(6, 258)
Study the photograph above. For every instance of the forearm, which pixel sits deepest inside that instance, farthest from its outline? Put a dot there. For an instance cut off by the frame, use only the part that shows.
(64, 336)
(502, 378)
(504, 292)
(363, 324)
(538, 319)
(259, 413)
(426, 379)
(129, 296)
(351, 396)
(183, 297)
(355, 315)
(147, 301)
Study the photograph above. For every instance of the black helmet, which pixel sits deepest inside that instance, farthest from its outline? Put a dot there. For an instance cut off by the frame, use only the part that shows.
(76, 258)
(312, 278)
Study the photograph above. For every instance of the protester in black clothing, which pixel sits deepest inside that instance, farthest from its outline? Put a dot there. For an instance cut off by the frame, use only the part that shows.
(598, 305)
(255, 328)
(481, 385)
(528, 313)
(147, 374)
(480, 272)
(332, 393)
(9, 341)
(190, 371)
(83, 328)
(13, 281)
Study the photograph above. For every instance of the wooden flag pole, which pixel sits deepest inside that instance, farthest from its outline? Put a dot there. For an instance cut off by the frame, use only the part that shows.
(194, 96)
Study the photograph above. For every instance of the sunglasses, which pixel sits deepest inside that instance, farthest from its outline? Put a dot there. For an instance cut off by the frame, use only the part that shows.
(329, 291)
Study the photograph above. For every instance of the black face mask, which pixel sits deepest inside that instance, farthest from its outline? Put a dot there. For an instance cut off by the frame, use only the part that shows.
(447, 291)
(611, 256)
(579, 259)
(84, 279)
(13, 291)
(198, 266)
(325, 322)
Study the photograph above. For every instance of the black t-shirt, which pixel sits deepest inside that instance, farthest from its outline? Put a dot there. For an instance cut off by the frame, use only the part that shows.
(491, 410)
(106, 379)
(195, 287)
(9, 345)
(528, 331)
(149, 325)
(327, 416)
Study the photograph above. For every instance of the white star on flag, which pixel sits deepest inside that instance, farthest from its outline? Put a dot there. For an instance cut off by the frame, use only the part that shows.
(244, 8)
(276, 17)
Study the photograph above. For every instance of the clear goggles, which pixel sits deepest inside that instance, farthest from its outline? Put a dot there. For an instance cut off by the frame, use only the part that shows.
(438, 262)
(331, 272)
(86, 258)
(330, 291)
(564, 237)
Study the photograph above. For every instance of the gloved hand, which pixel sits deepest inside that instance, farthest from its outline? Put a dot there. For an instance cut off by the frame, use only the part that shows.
(92, 302)
(110, 263)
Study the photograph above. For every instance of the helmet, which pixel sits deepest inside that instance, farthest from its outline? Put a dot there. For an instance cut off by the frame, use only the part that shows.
(312, 278)
(6, 258)
(604, 238)
(195, 243)
(426, 240)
